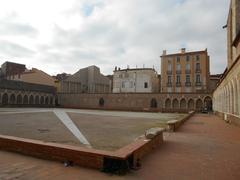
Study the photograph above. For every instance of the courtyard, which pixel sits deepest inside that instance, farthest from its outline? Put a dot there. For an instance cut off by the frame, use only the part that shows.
(102, 130)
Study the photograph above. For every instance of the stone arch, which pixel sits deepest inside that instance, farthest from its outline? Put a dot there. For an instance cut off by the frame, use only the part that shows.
(154, 103)
(168, 103)
(199, 104)
(5, 99)
(47, 100)
(42, 100)
(183, 104)
(25, 99)
(51, 100)
(175, 104)
(19, 99)
(232, 100)
(236, 96)
(12, 99)
(101, 102)
(191, 104)
(37, 99)
(31, 99)
(208, 103)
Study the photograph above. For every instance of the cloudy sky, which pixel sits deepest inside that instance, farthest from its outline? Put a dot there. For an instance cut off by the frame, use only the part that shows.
(65, 35)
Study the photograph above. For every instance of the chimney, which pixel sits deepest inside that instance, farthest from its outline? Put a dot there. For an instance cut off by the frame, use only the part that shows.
(164, 52)
(183, 50)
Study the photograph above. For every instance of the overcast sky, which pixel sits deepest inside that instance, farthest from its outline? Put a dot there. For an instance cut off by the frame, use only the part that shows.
(65, 35)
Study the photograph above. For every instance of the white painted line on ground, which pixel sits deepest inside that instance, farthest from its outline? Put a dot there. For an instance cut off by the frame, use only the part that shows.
(62, 115)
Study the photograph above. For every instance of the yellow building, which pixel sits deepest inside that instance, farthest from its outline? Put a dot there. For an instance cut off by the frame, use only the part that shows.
(185, 72)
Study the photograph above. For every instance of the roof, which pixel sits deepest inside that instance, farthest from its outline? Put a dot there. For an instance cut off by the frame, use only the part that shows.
(135, 69)
(186, 53)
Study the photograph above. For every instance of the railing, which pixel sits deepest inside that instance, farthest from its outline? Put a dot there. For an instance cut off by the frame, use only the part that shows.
(198, 70)
(188, 84)
(179, 72)
(198, 84)
(169, 84)
(188, 71)
(178, 84)
(169, 71)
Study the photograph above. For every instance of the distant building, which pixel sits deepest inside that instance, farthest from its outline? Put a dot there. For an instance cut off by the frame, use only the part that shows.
(34, 76)
(9, 69)
(214, 80)
(86, 80)
(144, 80)
(185, 72)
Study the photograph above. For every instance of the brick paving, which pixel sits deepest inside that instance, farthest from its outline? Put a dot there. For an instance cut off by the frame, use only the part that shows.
(205, 147)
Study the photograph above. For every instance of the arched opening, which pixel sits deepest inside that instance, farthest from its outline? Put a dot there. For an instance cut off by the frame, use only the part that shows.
(199, 105)
(168, 104)
(191, 104)
(37, 99)
(12, 99)
(5, 99)
(42, 100)
(51, 100)
(46, 100)
(25, 99)
(19, 99)
(31, 100)
(101, 102)
(183, 104)
(208, 103)
(154, 103)
(175, 104)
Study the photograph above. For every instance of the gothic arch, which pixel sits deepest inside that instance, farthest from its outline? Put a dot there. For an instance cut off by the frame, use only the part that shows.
(208, 103)
(37, 101)
(47, 100)
(168, 103)
(19, 99)
(101, 102)
(12, 99)
(5, 99)
(25, 99)
(31, 100)
(199, 104)
(175, 104)
(183, 104)
(191, 104)
(51, 100)
(42, 100)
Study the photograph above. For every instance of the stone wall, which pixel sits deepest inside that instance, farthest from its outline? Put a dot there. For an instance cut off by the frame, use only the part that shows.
(137, 101)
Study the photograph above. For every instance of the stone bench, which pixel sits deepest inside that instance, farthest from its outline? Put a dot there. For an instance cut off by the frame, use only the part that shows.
(151, 133)
(172, 125)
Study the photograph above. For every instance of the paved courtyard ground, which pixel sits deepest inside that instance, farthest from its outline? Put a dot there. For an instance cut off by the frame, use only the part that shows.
(205, 147)
(105, 130)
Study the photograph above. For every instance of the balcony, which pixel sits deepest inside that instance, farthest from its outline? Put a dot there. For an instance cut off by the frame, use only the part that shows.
(179, 72)
(198, 84)
(169, 72)
(188, 71)
(178, 84)
(198, 70)
(188, 84)
(169, 84)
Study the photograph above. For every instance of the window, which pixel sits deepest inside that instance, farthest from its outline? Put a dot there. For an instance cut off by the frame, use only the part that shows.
(187, 78)
(169, 79)
(145, 85)
(131, 84)
(178, 59)
(198, 66)
(169, 67)
(198, 78)
(188, 66)
(178, 79)
(178, 67)
(188, 58)
(197, 57)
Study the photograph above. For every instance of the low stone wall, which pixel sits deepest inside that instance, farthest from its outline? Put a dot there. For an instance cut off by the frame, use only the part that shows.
(229, 118)
(160, 102)
(174, 125)
(117, 161)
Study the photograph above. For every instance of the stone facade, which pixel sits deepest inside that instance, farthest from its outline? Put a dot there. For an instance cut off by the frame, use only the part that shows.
(144, 80)
(226, 98)
(165, 102)
(86, 80)
(10, 68)
(185, 72)
(13, 93)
